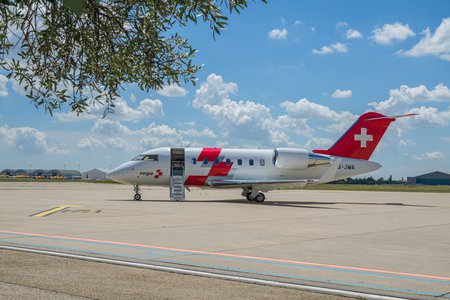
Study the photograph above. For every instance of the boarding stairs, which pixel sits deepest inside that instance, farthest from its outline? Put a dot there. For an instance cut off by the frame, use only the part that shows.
(177, 191)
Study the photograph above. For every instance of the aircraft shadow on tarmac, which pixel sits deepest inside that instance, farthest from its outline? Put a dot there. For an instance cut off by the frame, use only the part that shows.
(299, 204)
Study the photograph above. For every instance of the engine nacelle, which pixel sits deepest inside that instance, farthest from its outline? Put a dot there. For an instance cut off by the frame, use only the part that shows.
(297, 159)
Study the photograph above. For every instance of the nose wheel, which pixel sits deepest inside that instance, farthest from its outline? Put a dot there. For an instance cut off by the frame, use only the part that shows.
(137, 195)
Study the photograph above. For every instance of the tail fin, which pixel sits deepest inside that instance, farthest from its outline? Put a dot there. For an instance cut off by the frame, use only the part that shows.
(361, 139)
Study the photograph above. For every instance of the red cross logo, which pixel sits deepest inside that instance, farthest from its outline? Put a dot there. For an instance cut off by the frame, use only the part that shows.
(364, 137)
(158, 173)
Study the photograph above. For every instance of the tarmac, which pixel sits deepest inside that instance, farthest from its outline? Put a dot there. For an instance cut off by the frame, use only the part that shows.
(375, 243)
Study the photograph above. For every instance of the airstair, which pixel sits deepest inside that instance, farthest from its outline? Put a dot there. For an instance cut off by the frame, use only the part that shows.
(177, 191)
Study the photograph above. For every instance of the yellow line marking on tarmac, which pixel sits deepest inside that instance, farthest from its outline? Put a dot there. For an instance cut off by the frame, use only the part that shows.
(52, 210)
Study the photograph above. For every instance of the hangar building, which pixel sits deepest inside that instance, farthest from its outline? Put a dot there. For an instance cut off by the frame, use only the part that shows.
(42, 173)
(95, 174)
(433, 178)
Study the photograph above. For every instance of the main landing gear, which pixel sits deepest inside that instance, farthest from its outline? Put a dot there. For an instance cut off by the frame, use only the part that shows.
(137, 191)
(252, 196)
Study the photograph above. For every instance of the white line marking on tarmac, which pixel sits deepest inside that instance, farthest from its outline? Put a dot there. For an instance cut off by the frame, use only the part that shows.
(308, 288)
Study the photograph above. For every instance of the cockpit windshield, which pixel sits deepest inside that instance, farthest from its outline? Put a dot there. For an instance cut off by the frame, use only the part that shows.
(152, 157)
(139, 157)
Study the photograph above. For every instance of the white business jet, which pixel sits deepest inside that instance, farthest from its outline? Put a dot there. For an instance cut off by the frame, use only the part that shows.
(256, 171)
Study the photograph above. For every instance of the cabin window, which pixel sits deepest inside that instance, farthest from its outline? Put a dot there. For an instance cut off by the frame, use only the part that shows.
(250, 162)
(239, 162)
(194, 160)
(262, 162)
(216, 161)
(228, 161)
(205, 161)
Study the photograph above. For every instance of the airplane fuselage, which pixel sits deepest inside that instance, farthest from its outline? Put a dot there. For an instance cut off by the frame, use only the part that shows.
(257, 170)
(201, 166)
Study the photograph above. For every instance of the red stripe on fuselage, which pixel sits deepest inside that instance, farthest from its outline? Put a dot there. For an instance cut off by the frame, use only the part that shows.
(196, 180)
(209, 153)
(221, 169)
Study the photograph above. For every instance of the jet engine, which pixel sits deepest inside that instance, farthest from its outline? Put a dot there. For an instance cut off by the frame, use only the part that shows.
(297, 159)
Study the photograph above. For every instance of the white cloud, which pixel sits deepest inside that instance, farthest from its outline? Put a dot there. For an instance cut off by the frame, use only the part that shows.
(277, 34)
(213, 91)
(342, 94)
(298, 23)
(29, 140)
(306, 109)
(318, 143)
(437, 44)
(338, 47)
(400, 98)
(435, 155)
(427, 117)
(446, 138)
(147, 108)
(292, 125)
(406, 143)
(109, 127)
(238, 112)
(353, 34)
(89, 143)
(119, 144)
(278, 138)
(391, 32)
(249, 122)
(341, 24)
(242, 120)
(196, 134)
(3, 88)
(172, 90)
(160, 135)
(17, 87)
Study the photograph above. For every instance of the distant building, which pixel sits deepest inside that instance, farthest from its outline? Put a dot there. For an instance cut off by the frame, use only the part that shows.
(95, 174)
(70, 174)
(434, 178)
(42, 173)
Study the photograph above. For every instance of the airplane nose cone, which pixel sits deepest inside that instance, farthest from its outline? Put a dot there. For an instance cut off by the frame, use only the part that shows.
(122, 174)
(116, 175)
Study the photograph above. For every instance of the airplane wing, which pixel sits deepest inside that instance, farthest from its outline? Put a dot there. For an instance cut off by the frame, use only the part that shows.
(263, 185)
(266, 185)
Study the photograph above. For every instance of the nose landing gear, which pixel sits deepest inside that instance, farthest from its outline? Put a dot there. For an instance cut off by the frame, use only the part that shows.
(137, 195)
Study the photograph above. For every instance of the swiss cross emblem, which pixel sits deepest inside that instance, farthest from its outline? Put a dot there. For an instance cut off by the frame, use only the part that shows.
(364, 137)
(158, 173)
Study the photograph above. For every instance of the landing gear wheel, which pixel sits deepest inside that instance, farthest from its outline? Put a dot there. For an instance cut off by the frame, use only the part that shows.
(137, 191)
(260, 198)
(250, 197)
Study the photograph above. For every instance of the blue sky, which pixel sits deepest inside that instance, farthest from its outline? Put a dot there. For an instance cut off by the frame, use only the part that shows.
(286, 73)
